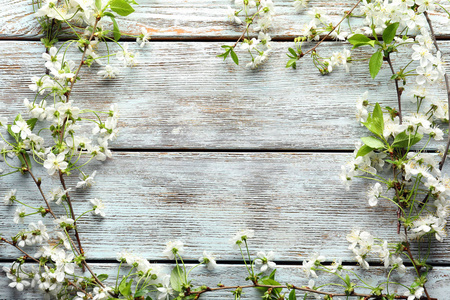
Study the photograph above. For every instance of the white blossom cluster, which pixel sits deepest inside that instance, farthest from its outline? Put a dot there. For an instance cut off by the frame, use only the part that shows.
(261, 13)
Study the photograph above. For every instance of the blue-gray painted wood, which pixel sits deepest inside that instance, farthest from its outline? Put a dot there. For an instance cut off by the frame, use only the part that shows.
(181, 96)
(180, 19)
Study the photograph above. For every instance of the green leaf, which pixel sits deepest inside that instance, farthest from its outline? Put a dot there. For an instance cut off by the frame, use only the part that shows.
(389, 32)
(31, 123)
(234, 57)
(121, 7)
(375, 64)
(102, 277)
(225, 54)
(292, 295)
(403, 140)
(98, 4)
(292, 63)
(358, 40)
(125, 287)
(269, 281)
(375, 122)
(373, 142)
(11, 133)
(148, 298)
(347, 280)
(22, 160)
(141, 292)
(293, 52)
(272, 275)
(116, 30)
(364, 150)
(176, 278)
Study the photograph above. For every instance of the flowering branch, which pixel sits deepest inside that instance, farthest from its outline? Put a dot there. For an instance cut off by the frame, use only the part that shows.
(447, 85)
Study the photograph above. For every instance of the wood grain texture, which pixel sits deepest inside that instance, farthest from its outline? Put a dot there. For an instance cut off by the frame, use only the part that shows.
(181, 96)
(193, 19)
(438, 280)
(295, 203)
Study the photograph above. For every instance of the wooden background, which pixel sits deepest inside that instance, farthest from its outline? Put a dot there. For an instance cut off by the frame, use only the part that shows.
(208, 148)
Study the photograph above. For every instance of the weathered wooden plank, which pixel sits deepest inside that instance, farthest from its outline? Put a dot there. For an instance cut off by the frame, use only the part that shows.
(187, 19)
(437, 285)
(182, 96)
(294, 201)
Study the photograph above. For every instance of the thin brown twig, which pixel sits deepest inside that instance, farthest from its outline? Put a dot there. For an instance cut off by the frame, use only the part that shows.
(54, 216)
(36, 260)
(20, 249)
(38, 184)
(417, 269)
(447, 85)
(399, 91)
(332, 30)
(304, 289)
(68, 93)
(246, 28)
(77, 236)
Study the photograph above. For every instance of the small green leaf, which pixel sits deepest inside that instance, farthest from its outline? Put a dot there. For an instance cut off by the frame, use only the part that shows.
(292, 63)
(102, 277)
(373, 142)
(269, 281)
(272, 275)
(11, 133)
(293, 52)
(116, 30)
(292, 295)
(234, 57)
(358, 40)
(375, 63)
(121, 7)
(31, 123)
(148, 298)
(403, 140)
(375, 122)
(98, 4)
(26, 164)
(125, 287)
(389, 32)
(364, 150)
(141, 293)
(347, 280)
(176, 278)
